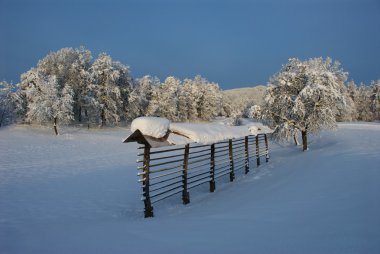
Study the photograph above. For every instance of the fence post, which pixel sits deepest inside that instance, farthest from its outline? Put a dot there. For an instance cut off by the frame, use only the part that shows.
(257, 150)
(231, 155)
(246, 155)
(185, 193)
(148, 212)
(266, 148)
(212, 169)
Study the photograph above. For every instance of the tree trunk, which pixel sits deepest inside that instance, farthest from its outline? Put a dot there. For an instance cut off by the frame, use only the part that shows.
(55, 126)
(88, 119)
(304, 140)
(2, 117)
(295, 139)
(80, 114)
(103, 118)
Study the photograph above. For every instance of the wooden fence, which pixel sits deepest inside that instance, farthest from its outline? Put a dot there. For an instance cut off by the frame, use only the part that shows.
(172, 170)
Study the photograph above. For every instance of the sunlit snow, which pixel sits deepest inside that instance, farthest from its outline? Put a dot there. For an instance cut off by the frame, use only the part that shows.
(78, 193)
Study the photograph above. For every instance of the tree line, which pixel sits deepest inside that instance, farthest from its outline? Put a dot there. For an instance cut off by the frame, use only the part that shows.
(68, 87)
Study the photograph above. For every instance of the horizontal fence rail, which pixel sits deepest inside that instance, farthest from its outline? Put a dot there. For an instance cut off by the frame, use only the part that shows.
(167, 172)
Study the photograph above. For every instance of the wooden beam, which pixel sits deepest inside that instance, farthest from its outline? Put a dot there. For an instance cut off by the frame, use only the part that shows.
(246, 155)
(231, 156)
(148, 212)
(185, 193)
(257, 150)
(266, 148)
(212, 168)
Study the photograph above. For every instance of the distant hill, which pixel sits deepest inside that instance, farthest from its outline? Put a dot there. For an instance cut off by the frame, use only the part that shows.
(247, 95)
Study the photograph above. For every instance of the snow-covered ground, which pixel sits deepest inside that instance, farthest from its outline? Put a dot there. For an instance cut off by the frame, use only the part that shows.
(78, 193)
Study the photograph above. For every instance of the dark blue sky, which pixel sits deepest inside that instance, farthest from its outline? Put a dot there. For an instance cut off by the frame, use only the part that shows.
(235, 43)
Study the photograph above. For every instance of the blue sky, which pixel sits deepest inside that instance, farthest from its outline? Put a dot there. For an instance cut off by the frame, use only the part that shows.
(235, 43)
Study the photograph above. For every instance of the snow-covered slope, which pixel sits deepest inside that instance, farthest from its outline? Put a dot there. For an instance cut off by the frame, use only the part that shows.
(250, 95)
(78, 193)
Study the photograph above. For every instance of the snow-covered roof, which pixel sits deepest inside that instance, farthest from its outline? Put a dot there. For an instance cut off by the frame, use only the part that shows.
(158, 131)
(156, 127)
(209, 133)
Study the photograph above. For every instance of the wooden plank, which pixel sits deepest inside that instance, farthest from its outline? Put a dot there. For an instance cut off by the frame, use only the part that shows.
(166, 169)
(177, 184)
(166, 180)
(167, 196)
(166, 174)
(167, 150)
(165, 163)
(197, 175)
(199, 151)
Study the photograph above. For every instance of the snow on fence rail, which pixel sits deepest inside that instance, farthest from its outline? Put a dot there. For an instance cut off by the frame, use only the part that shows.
(178, 169)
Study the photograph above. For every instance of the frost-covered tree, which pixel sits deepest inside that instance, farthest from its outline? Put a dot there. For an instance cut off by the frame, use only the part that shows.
(304, 96)
(126, 86)
(7, 103)
(363, 103)
(168, 103)
(186, 103)
(48, 102)
(111, 87)
(255, 112)
(154, 103)
(346, 111)
(206, 99)
(199, 95)
(212, 101)
(375, 99)
(100, 89)
(71, 67)
(196, 98)
(353, 93)
(366, 99)
(140, 96)
(190, 100)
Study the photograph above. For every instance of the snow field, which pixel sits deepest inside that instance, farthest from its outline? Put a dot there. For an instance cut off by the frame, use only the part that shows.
(78, 193)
